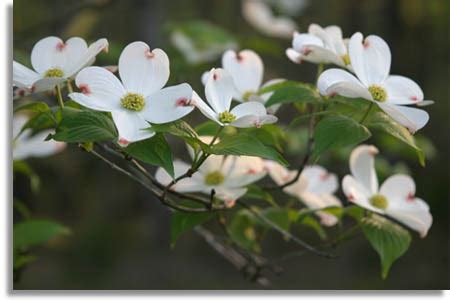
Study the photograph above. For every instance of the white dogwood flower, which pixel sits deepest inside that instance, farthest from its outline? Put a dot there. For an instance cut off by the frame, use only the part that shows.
(140, 97)
(315, 188)
(227, 175)
(26, 145)
(259, 14)
(371, 62)
(246, 68)
(219, 91)
(320, 45)
(395, 198)
(54, 61)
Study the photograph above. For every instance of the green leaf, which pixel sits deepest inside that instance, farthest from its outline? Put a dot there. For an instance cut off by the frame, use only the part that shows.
(244, 144)
(389, 240)
(277, 215)
(256, 192)
(243, 232)
(314, 224)
(154, 151)
(38, 107)
(35, 232)
(79, 126)
(381, 121)
(338, 131)
(279, 85)
(181, 222)
(208, 128)
(289, 94)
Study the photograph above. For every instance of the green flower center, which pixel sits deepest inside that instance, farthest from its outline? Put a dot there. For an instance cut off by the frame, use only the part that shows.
(226, 117)
(346, 59)
(247, 95)
(132, 101)
(379, 201)
(214, 178)
(378, 93)
(54, 73)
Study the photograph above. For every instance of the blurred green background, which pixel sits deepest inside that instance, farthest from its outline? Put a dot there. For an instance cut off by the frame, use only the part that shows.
(120, 234)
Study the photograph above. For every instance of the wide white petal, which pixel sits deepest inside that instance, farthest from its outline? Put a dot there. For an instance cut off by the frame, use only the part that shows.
(219, 90)
(212, 164)
(358, 194)
(23, 77)
(413, 213)
(131, 127)
(36, 146)
(48, 53)
(100, 89)
(204, 108)
(400, 187)
(293, 55)
(278, 173)
(143, 71)
(254, 121)
(370, 59)
(249, 108)
(242, 170)
(402, 90)
(229, 194)
(46, 84)
(362, 166)
(412, 118)
(74, 48)
(246, 68)
(335, 34)
(85, 58)
(169, 104)
(266, 96)
(187, 185)
(320, 181)
(317, 201)
(340, 82)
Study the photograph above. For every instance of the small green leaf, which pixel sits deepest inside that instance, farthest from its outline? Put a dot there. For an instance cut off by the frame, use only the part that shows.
(38, 107)
(277, 215)
(181, 222)
(381, 121)
(289, 94)
(79, 126)
(244, 144)
(338, 131)
(154, 151)
(389, 240)
(34, 232)
(256, 192)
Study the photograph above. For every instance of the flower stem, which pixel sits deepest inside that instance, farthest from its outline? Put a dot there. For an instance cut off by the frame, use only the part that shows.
(59, 95)
(367, 113)
(319, 71)
(69, 86)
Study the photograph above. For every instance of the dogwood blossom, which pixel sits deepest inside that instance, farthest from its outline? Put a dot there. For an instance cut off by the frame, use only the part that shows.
(320, 45)
(246, 68)
(54, 61)
(371, 61)
(140, 97)
(26, 145)
(315, 188)
(227, 175)
(219, 90)
(395, 198)
(259, 14)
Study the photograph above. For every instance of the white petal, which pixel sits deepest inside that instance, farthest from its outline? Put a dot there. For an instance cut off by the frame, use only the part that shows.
(254, 121)
(370, 59)
(48, 53)
(46, 84)
(204, 108)
(242, 170)
(278, 173)
(362, 162)
(402, 90)
(319, 180)
(36, 146)
(78, 61)
(101, 90)
(315, 201)
(399, 187)
(169, 104)
(335, 34)
(212, 163)
(340, 82)
(358, 194)
(412, 118)
(74, 48)
(23, 77)
(131, 127)
(246, 68)
(249, 108)
(219, 90)
(229, 194)
(204, 78)
(187, 185)
(143, 71)
(414, 214)
(265, 97)
(293, 55)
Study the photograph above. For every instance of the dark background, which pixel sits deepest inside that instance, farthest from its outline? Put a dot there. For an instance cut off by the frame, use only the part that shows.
(120, 234)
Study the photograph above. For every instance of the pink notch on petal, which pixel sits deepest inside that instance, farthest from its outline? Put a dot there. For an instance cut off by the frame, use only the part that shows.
(324, 176)
(410, 197)
(60, 46)
(123, 142)
(306, 51)
(215, 76)
(251, 171)
(149, 54)
(84, 88)
(350, 197)
(183, 102)
(366, 44)
(239, 57)
(413, 98)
